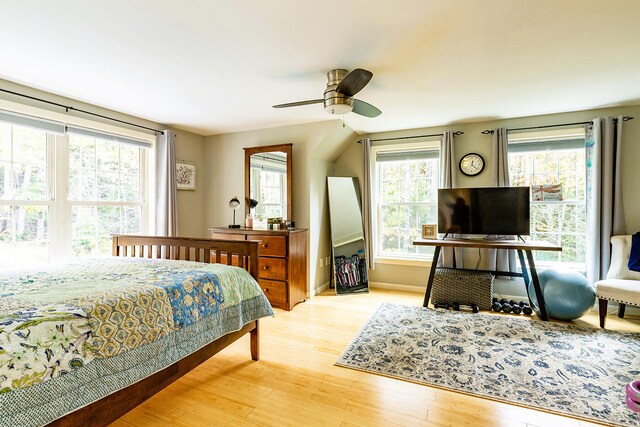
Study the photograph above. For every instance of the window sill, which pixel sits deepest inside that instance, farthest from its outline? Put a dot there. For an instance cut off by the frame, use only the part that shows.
(404, 261)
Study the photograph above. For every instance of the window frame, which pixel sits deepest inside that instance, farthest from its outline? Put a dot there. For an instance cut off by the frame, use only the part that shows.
(47, 200)
(545, 139)
(69, 203)
(421, 260)
(59, 221)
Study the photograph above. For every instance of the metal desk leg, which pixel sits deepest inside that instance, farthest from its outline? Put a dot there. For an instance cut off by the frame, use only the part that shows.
(525, 275)
(536, 286)
(432, 273)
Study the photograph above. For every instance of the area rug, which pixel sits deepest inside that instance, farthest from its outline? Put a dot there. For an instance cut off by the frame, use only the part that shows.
(564, 369)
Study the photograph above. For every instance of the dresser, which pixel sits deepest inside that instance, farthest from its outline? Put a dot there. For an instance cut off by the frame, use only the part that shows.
(282, 262)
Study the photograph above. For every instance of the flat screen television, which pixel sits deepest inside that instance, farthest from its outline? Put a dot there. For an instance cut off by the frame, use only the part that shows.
(488, 211)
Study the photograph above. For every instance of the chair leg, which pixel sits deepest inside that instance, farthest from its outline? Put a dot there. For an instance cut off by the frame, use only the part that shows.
(602, 310)
(621, 308)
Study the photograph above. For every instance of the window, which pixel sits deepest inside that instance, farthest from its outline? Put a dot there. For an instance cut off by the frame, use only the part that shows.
(406, 196)
(105, 192)
(25, 199)
(559, 160)
(64, 194)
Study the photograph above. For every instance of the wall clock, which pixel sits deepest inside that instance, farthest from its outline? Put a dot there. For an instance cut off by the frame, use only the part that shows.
(471, 164)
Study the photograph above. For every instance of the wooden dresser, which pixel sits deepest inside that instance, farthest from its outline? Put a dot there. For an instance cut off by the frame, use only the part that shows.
(282, 262)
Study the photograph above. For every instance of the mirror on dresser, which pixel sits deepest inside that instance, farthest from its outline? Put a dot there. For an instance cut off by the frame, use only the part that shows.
(267, 179)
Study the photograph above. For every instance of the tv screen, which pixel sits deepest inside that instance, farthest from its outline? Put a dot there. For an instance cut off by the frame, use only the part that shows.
(493, 210)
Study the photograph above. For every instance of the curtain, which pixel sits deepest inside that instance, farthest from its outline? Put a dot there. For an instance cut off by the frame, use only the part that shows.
(605, 216)
(166, 209)
(448, 179)
(367, 212)
(499, 259)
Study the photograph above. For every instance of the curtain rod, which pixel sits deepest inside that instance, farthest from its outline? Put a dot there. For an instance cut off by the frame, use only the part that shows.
(590, 122)
(68, 107)
(411, 137)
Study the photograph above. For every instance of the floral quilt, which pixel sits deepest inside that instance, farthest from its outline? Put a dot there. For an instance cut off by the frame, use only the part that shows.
(64, 316)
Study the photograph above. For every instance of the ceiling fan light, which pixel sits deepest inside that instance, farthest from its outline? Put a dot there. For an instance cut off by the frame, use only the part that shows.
(338, 109)
(335, 103)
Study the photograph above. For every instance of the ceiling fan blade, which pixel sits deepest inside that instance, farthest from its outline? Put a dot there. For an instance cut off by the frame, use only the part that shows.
(296, 104)
(354, 82)
(365, 109)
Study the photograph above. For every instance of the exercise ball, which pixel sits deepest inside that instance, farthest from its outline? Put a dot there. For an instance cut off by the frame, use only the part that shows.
(567, 293)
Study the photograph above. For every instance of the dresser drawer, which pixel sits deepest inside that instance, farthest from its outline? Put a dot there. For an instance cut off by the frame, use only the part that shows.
(276, 292)
(272, 268)
(271, 245)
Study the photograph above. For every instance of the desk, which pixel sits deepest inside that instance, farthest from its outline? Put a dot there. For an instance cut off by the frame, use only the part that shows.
(526, 247)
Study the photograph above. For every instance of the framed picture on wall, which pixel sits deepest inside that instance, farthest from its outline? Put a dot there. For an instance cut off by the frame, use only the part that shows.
(185, 175)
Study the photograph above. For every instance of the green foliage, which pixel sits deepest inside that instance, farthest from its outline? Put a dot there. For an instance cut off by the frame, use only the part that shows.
(408, 191)
(562, 223)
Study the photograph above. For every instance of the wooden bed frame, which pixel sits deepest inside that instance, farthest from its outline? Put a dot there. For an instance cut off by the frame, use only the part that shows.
(243, 253)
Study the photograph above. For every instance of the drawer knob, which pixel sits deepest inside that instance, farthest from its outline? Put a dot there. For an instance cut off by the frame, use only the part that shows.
(265, 245)
(266, 267)
(266, 289)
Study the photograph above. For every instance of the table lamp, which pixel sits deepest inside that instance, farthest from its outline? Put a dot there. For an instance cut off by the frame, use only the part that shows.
(233, 204)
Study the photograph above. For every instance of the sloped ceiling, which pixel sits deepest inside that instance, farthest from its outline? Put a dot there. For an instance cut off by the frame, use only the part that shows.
(217, 66)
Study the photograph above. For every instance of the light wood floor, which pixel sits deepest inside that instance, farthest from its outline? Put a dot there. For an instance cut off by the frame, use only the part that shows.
(295, 382)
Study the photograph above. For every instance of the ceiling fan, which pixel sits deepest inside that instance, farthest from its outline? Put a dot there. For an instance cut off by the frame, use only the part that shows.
(338, 96)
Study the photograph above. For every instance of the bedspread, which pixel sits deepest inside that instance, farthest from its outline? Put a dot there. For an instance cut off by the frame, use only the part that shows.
(62, 317)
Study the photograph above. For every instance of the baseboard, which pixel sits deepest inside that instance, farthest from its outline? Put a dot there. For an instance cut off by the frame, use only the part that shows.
(319, 289)
(406, 288)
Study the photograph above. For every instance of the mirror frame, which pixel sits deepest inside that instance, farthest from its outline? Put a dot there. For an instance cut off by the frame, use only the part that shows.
(248, 152)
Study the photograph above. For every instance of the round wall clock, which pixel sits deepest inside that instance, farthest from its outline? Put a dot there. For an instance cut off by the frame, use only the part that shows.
(471, 164)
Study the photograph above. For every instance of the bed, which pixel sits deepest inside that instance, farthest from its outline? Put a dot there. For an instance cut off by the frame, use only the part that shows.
(85, 341)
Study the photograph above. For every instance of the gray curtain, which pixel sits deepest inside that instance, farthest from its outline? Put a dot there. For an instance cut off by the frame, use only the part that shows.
(166, 209)
(448, 179)
(605, 215)
(501, 259)
(367, 214)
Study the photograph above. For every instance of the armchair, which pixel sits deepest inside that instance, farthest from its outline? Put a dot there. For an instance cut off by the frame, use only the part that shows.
(621, 285)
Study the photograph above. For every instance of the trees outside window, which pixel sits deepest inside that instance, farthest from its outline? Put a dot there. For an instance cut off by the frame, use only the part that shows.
(560, 161)
(406, 183)
(24, 196)
(105, 192)
(63, 195)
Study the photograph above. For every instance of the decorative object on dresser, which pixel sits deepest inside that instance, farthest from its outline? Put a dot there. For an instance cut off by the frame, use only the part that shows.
(249, 217)
(233, 204)
(282, 262)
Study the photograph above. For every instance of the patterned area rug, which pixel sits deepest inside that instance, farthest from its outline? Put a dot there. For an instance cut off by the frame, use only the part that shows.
(569, 370)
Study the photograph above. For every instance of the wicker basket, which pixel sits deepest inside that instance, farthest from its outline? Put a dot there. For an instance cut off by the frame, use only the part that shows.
(463, 286)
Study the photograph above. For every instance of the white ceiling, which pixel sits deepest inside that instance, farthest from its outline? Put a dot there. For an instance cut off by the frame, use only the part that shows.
(213, 66)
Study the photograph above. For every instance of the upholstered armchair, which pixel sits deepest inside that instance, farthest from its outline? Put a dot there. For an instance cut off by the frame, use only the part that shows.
(621, 285)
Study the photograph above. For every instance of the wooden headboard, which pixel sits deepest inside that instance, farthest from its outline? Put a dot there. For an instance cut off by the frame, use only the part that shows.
(243, 253)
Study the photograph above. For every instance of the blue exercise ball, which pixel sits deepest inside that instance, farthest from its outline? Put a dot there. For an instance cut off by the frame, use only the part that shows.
(567, 293)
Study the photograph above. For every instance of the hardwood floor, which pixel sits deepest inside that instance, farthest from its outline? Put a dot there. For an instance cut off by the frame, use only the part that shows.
(295, 382)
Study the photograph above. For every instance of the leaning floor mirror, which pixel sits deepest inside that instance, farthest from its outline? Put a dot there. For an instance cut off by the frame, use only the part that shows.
(347, 236)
